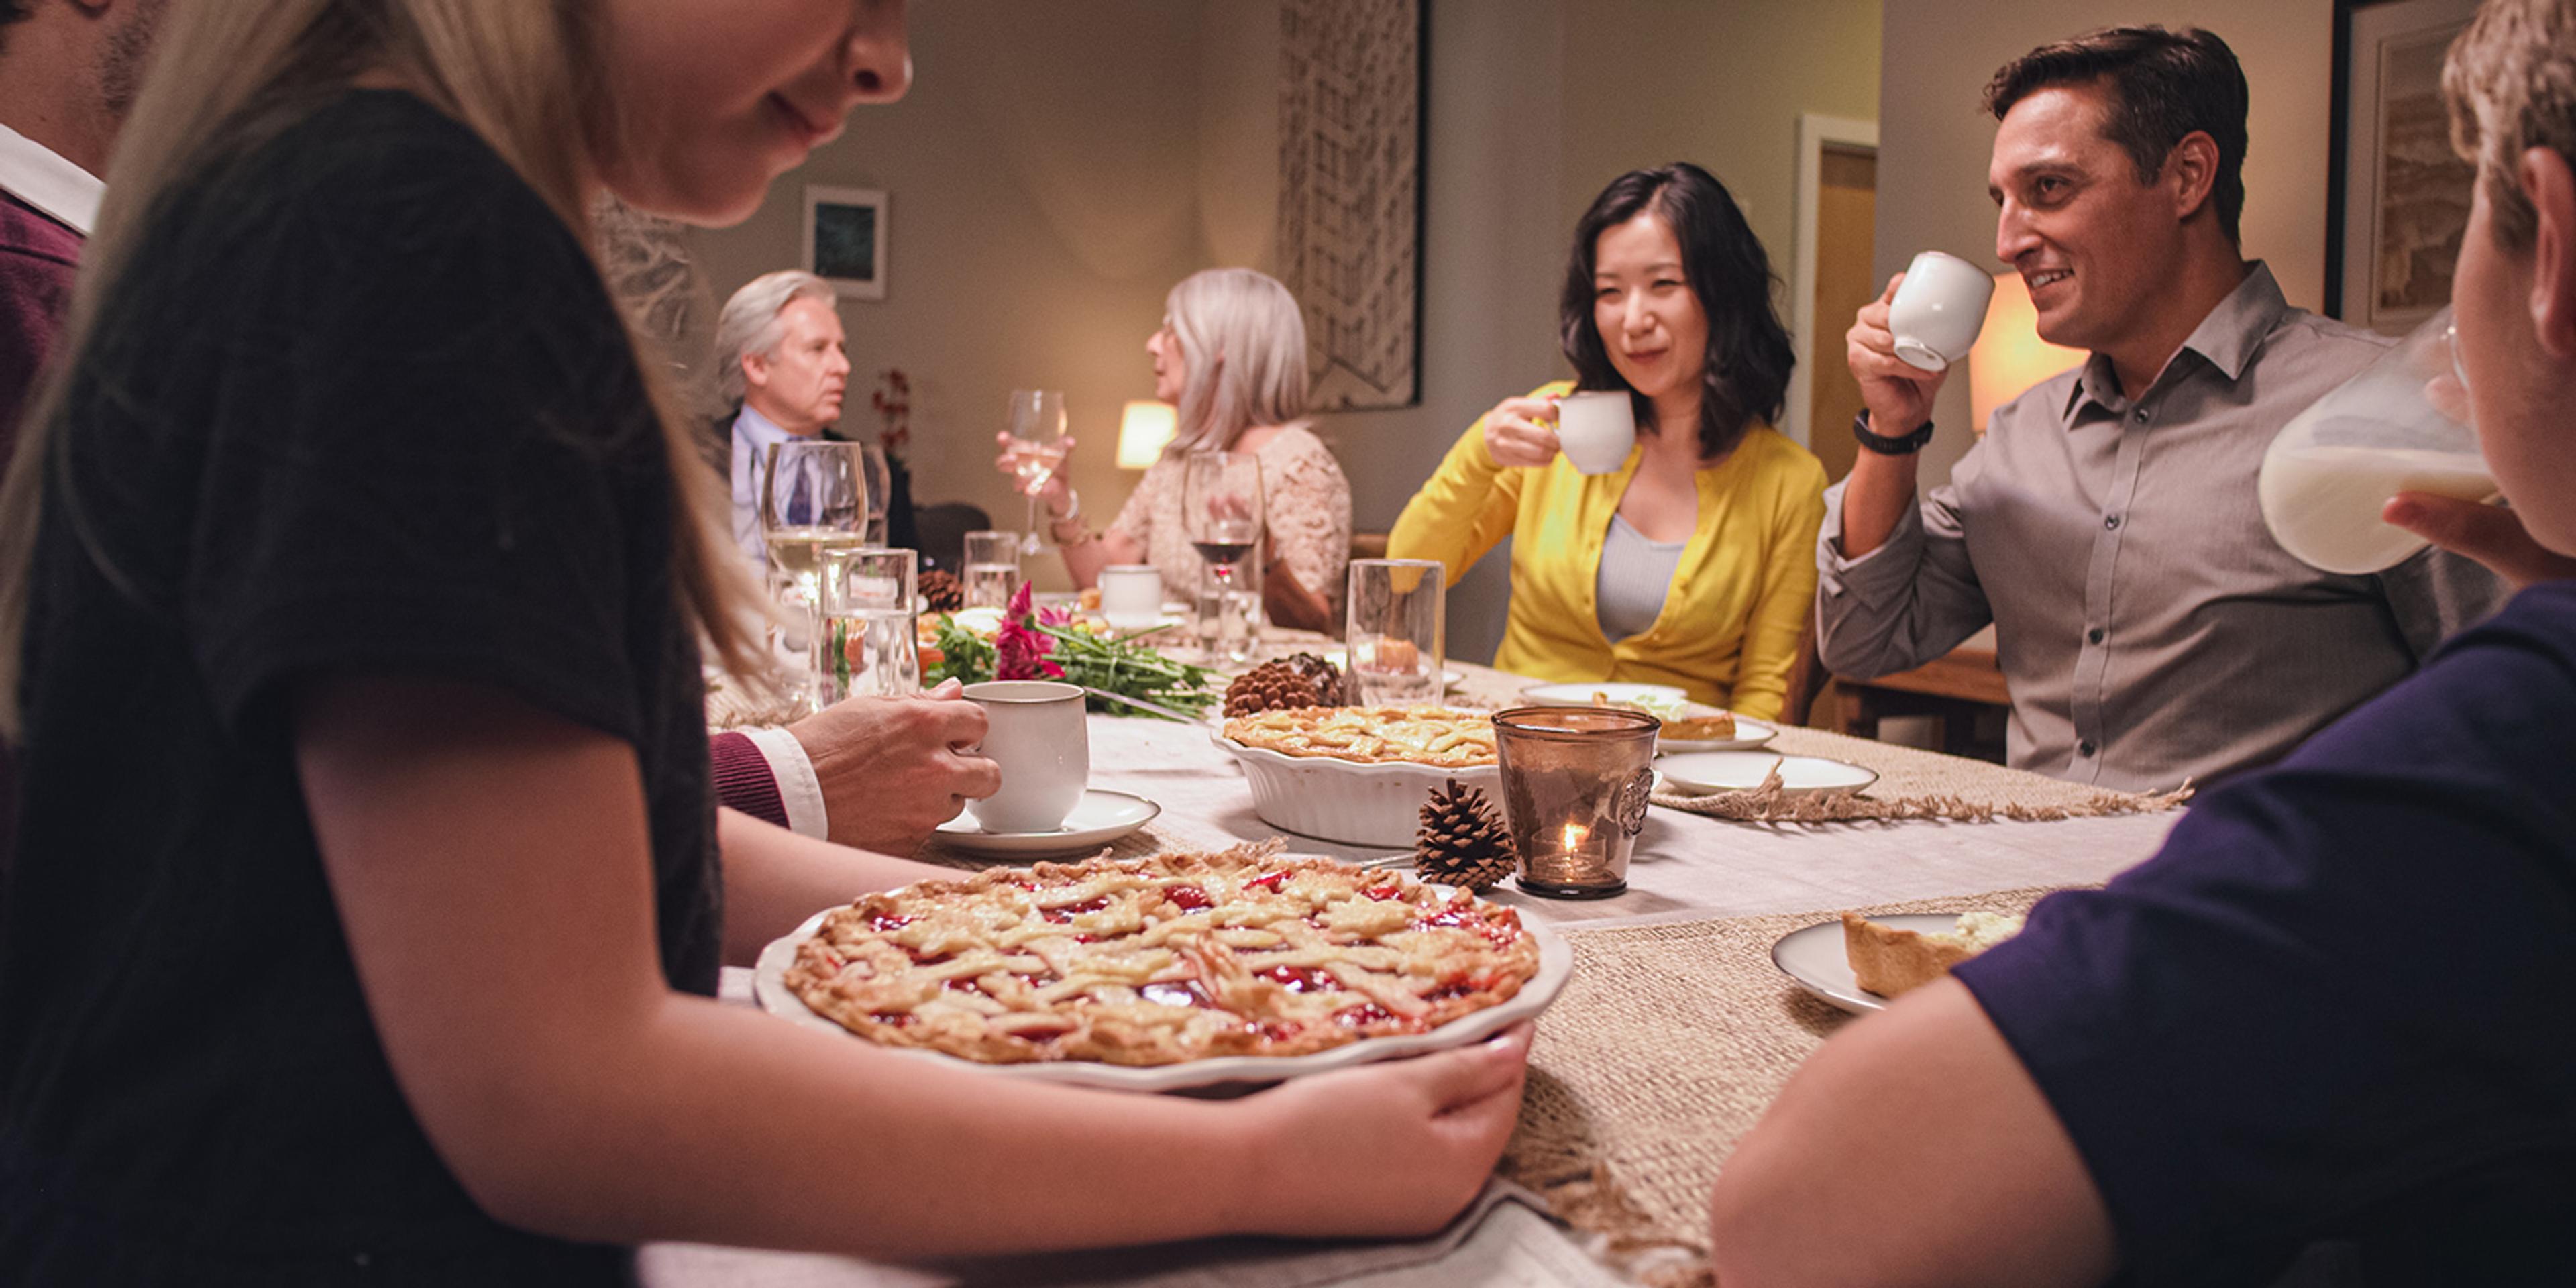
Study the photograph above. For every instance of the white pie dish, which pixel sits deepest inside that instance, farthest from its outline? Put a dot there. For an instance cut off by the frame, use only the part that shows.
(1555, 966)
(1344, 800)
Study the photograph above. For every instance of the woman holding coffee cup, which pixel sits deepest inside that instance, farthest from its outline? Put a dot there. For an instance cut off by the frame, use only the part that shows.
(1665, 532)
(1231, 355)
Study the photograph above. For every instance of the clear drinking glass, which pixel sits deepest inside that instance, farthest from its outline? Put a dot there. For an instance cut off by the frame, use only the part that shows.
(1036, 450)
(863, 634)
(992, 568)
(1221, 504)
(1575, 782)
(880, 479)
(813, 498)
(1397, 631)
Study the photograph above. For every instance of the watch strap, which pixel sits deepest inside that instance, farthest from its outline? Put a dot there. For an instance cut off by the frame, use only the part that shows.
(1900, 445)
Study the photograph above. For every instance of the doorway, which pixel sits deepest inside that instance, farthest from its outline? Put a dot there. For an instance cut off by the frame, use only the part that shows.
(1846, 216)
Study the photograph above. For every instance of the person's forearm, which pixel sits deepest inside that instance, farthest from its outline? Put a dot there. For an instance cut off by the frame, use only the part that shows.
(725, 1126)
(1083, 561)
(775, 879)
(1287, 602)
(1875, 499)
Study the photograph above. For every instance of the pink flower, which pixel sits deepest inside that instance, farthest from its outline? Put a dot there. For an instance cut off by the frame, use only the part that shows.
(1019, 650)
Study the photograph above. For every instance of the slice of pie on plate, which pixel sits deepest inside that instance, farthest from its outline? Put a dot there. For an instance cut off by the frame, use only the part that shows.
(1888, 960)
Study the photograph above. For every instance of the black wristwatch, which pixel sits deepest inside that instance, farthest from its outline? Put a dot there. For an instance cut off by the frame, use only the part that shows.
(1901, 445)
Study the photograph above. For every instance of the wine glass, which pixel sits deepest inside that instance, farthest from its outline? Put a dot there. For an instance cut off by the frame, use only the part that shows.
(1036, 450)
(880, 481)
(813, 497)
(1221, 508)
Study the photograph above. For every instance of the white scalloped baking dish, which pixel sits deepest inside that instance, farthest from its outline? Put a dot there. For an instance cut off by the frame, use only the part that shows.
(1343, 800)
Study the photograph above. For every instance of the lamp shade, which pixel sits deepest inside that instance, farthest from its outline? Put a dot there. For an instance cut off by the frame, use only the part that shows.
(2009, 356)
(1144, 429)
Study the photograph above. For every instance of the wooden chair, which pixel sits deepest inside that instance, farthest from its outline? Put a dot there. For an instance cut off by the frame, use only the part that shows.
(1368, 545)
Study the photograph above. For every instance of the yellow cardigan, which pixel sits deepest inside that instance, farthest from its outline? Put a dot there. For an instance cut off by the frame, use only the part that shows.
(1747, 580)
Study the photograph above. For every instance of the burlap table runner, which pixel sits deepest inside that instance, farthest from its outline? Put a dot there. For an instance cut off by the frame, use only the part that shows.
(1666, 1047)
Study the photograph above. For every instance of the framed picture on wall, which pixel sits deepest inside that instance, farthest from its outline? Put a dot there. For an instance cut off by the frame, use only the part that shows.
(845, 240)
(2397, 199)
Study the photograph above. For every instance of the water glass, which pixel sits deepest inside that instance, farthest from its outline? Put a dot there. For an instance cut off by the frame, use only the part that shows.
(1396, 632)
(1575, 783)
(1221, 503)
(864, 642)
(992, 569)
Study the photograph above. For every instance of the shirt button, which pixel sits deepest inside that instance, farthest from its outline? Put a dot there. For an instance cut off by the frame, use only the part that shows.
(2093, 636)
(2142, 415)
(2084, 748)
(2110, 523)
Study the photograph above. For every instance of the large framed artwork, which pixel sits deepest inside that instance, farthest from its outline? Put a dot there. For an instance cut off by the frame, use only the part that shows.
(1350, 194)
(2397, 199)
(845, 240)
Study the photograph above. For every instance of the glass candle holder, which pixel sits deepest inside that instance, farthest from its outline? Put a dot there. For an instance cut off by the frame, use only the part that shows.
(1575, 782)
(863, 628)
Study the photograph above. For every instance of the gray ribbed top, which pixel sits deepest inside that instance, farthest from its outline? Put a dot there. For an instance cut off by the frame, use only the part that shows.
(1635, 575)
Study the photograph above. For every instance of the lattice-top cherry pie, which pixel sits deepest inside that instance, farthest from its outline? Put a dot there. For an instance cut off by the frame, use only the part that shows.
(1160, 960)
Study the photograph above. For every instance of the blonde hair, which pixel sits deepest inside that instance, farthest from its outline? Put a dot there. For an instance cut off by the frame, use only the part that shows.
(1243, 343)
(224, 75)
(749, 323)
(2510, 81)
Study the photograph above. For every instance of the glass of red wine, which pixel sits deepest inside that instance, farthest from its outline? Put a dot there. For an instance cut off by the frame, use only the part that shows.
(1221, 505)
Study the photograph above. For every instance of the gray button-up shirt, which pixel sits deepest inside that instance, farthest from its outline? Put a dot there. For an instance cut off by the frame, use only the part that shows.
(2148, 626)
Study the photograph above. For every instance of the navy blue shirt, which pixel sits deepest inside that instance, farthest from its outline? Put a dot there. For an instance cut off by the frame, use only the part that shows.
(2335, 1007)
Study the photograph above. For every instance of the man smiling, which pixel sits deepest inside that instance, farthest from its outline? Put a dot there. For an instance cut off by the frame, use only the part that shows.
(2149, 628)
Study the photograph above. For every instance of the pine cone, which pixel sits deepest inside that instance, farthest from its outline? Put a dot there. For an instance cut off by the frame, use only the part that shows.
(1326, 677)
(940, 591)
(1463, 841)
(1304, 680)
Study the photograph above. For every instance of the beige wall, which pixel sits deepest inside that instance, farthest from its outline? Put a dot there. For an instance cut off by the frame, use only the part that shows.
(1059, 165)
(1934, 143)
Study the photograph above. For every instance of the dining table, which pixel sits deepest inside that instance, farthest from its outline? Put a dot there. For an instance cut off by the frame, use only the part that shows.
(1674, 1032)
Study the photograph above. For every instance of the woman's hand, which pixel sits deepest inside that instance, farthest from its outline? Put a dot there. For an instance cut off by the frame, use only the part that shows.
(1055, 494)
(1393, 1149)
(1521, 432)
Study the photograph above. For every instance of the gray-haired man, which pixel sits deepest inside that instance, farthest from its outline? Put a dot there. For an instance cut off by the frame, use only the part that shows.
(781, 360)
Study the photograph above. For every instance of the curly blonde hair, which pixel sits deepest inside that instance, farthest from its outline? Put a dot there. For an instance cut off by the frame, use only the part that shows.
(2510, 81)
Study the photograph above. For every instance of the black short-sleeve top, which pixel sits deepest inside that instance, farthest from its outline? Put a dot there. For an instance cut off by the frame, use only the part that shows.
(358, 405)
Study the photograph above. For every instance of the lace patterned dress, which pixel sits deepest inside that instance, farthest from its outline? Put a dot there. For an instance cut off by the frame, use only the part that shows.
(1305, 501)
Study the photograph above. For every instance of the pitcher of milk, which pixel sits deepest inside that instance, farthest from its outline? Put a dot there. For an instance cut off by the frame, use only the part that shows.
(2399, 425)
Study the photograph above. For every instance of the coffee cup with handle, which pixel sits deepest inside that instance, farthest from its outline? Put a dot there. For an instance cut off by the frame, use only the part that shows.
(1938, 310)
(1037, 738)
(1596, 429)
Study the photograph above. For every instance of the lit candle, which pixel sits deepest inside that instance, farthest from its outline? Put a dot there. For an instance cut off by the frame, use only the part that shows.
(1574, 835)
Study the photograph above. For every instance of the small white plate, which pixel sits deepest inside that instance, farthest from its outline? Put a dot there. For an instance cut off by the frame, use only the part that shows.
(1341, 659)
(1703, 772)
(1580, 694)
(1102, 817)
(1748, 734)
(1816, 959)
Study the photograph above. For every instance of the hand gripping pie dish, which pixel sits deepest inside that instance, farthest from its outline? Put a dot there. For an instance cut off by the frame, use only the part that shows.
(1159, 961)
(1437, 736)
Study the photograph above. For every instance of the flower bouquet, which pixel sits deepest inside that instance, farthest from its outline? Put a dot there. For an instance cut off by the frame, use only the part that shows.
(1024, 643)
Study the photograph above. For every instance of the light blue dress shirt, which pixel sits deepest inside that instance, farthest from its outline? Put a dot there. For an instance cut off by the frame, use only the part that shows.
(753, 434)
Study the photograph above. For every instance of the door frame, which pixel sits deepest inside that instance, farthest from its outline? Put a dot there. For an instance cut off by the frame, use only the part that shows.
(1815, 133)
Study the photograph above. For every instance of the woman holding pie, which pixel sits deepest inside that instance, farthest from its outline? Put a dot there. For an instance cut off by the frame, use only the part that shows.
(355, 546)
(1693, 562)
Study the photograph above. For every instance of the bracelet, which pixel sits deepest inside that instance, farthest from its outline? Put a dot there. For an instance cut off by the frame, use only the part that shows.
(1884, 445)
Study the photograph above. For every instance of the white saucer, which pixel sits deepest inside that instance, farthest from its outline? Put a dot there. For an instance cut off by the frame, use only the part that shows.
(1579, 693)
(1816, 959)
(1699, 773)
(1102, 817)
(1748, 734)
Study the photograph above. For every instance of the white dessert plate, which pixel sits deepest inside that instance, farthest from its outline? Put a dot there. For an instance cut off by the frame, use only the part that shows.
(1102, 817)
(1341, 658)
(1815, 959)
(1699, 773)
(1748, 734)
(1580, 694)
(1555, 966)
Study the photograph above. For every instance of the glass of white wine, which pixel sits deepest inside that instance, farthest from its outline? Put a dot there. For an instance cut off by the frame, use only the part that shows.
(1036, 450)
(813, 498)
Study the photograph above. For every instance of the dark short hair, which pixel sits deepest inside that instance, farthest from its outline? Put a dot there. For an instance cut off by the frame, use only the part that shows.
(1745, 373)
(2164, 85)
(11, 11)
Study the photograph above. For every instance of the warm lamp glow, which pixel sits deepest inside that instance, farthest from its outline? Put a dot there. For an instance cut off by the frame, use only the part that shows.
(1144, 429)
(2009, 356)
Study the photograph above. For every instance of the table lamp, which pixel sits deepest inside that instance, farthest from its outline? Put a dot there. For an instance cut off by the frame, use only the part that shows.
(2009, 357)
(1144, 429)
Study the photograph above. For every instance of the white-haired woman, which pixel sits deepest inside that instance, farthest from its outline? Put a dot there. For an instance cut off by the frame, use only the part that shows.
(366, 912)
(1231, 354)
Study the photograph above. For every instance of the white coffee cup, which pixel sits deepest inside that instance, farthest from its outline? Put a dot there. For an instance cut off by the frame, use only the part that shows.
(1131, 596)
(1038, 740)
(1596, 429)
(1938, 310)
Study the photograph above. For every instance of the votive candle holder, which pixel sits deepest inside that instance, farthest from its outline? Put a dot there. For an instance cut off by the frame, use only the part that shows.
(1575, 782)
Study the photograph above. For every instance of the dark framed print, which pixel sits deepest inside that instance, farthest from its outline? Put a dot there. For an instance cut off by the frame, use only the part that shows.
(845, 240)
(2397, 198)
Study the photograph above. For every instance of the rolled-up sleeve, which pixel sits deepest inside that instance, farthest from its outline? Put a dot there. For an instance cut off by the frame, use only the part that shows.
(1901, 605)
